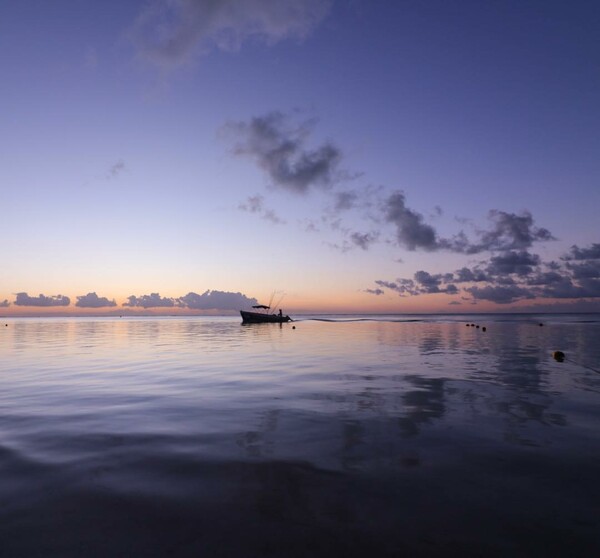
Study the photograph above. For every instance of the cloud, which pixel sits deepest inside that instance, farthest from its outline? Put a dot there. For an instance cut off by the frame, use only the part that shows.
(255, 204)
(411, 231)
(216, 300)
(521, 263)
(509, 232)
(466, 275)
(344, 200)
(4, 303)
(363, 240)
(116, 169)
(423, 283)
(376, 292)
(92, 300)
(590, 253)
(279, 150)
(23, 299)
(209, 300)
(153, 300)
(170, 33)
(499, 294)
(512, 276)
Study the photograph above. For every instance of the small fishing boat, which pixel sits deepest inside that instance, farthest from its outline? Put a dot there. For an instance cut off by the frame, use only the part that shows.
(264, 317)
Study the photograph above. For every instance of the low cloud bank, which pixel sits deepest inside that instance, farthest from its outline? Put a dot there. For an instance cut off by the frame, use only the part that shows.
(23, 299)
(209, 300)
(92, 300)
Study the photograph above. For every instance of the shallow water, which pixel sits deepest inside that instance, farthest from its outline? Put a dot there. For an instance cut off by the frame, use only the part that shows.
(396, 435)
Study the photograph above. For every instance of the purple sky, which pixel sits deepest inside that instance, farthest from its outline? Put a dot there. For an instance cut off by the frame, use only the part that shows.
(359, 156)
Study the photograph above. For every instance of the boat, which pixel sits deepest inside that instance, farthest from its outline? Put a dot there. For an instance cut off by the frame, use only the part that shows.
(263, 317)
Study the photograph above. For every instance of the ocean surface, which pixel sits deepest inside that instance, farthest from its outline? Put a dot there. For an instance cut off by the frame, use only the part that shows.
(328, 436)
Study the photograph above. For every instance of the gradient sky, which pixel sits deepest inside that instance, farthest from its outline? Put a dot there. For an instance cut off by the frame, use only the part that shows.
(388, 156)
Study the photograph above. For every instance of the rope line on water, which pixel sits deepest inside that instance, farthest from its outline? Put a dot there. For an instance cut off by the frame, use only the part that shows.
(559, 356)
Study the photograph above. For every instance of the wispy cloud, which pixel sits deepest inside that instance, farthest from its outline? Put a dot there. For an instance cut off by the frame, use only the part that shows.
(255, 204)
(116, 169)
(23, 299)
(170, 33)
(4, 303)
(92, 300)
(279, 148)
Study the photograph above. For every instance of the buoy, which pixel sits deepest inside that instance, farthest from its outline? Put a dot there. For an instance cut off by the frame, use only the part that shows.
(467, 325)
(559, 356)
(293, 327)
(477, 327)
(483, 328)
(541, 324)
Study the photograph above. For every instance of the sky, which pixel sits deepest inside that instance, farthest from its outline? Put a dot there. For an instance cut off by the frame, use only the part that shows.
(200, 156)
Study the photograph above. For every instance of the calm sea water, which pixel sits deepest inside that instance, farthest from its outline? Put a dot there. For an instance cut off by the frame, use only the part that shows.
(349, 436)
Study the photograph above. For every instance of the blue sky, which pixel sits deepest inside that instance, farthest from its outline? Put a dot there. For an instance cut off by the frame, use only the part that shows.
(355, 155)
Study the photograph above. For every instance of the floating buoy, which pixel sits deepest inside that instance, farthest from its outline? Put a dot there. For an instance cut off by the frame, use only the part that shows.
(293, 327)
(477, 327)
(559, 356)
(483, 328)
(541, 324)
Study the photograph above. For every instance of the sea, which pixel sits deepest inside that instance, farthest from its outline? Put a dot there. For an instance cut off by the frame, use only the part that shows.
(435, 435)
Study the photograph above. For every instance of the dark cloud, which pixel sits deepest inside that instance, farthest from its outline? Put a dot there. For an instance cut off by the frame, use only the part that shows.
(589, 269)
(547, 278)
(466, 275)
(153, 300)
(411, 231)
(510, 232)
(255, 204)
(4, 303)
(216, 300)
(499, 294)
(511, 276)
(431, 284)
(404, 287)
(23, 299)
(423, 283)
(92, 300)
(590, 253)
(278, 149)
(521, 263)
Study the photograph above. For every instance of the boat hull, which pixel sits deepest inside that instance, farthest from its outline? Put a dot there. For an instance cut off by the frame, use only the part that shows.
(262, 318)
